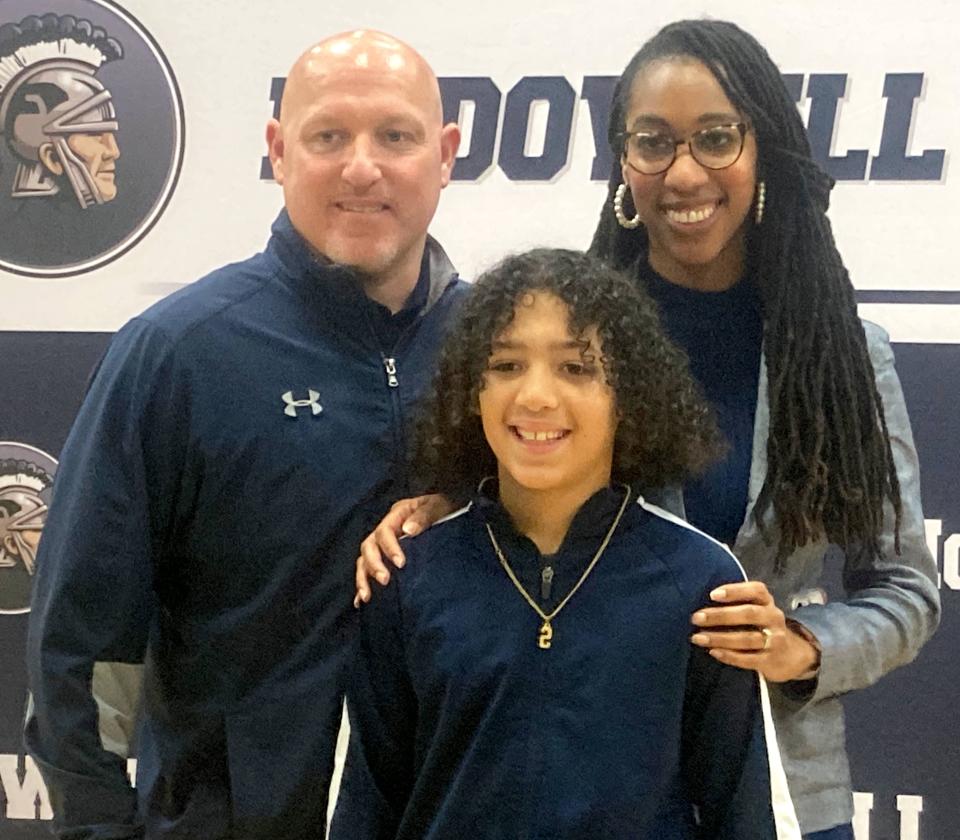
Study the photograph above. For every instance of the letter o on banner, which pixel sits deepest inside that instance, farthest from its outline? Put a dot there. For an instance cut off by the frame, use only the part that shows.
(514, 161)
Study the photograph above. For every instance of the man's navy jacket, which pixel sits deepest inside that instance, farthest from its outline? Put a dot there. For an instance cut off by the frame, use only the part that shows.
(237, 442)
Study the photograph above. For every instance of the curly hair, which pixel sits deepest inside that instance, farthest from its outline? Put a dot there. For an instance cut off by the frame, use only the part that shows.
(666, 431)
(830, 465)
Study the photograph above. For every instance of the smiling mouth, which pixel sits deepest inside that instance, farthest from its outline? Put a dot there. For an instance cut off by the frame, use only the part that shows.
(365, 208)
(539, 436)
(692, 215)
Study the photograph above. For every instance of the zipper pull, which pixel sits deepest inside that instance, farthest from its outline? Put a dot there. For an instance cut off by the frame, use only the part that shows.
(546, 578)
(391, 367)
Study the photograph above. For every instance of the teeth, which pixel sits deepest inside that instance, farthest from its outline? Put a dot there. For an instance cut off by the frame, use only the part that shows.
(539, 435)
(687, 217)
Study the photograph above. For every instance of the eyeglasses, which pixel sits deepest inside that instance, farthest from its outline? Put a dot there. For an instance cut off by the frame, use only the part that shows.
(716, 147)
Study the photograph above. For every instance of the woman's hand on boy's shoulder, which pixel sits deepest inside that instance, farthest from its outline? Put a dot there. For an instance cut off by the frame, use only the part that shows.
(408, 517)
(750, 631)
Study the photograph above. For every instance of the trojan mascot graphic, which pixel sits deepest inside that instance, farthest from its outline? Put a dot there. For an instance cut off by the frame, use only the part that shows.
(56, 118)
(22, 516)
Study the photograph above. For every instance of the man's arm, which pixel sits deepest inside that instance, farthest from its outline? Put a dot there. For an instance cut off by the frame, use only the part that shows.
(93, 597)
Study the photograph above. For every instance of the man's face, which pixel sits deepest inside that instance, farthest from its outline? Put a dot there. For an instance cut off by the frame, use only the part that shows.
(99, 153)
(362, 155)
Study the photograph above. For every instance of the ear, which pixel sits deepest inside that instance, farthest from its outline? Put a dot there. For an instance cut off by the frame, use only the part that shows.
(449, 143)
(49, 158)
(475, 398)
(275, 148)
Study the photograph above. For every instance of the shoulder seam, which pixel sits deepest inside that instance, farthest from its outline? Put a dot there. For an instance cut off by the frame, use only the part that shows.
(682, 523)
(455, 514)
(271, 275)
(446, 518)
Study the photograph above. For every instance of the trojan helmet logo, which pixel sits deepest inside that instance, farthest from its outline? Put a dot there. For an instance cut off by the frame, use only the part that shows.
(26, 477)
(91, 136)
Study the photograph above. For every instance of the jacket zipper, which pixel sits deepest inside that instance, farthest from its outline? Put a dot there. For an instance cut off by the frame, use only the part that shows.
(390, 365)
(546, 580)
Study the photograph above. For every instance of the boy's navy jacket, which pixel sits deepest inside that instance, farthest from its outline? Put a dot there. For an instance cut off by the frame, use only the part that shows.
(462, 726)
(237, 442)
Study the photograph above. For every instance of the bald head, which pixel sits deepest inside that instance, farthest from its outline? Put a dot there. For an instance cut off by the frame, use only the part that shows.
(362, 154)
(359, 53)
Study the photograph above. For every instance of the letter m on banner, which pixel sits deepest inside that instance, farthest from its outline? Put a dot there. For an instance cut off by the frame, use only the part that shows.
(27, 797)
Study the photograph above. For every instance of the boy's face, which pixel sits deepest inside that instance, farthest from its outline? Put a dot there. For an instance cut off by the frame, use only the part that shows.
(547, 411)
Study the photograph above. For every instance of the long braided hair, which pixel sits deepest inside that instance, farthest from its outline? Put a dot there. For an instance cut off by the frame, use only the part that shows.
(830, 466)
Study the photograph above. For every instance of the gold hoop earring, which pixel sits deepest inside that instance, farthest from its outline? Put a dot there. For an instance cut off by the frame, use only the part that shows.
(624, 222)
(761, 200)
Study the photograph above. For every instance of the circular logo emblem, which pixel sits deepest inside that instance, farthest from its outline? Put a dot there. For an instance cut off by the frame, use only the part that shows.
(26, 478)
(91, 135)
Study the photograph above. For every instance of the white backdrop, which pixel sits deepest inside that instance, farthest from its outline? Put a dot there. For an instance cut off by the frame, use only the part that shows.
(225, 52)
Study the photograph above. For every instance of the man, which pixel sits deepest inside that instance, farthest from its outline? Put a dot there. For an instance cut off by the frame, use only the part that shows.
(238, 440)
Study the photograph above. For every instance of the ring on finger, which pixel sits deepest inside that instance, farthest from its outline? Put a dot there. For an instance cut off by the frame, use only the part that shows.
(767, 634)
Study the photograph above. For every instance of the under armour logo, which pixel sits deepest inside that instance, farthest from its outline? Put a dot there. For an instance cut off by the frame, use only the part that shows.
(293, 405)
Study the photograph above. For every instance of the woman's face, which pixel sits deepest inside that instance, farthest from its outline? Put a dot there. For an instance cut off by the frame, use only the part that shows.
(696, 217)
(547, 411)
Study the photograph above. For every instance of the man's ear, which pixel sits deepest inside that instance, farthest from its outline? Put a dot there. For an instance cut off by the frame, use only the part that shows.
(449, 143)
(275, 148)
(48, 157)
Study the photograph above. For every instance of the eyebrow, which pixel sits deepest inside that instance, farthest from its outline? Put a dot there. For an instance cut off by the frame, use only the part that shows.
(571, 344)
(322, 117)
(710, 118)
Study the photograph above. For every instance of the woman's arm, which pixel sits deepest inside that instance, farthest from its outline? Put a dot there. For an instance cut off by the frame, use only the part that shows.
(891, 607)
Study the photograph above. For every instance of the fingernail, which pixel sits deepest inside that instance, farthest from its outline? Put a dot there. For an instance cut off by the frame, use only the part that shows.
(356, 602)
(398, 561)
(700, 618)
(382, 577)
(700, 639)
(411, 529)
(717, 654)
(718, 594)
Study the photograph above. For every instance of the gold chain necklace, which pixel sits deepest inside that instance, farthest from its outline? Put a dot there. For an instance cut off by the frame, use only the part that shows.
(545, 637)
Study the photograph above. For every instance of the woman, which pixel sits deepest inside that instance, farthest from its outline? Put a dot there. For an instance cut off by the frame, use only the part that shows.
(716, 207)
(501, 688)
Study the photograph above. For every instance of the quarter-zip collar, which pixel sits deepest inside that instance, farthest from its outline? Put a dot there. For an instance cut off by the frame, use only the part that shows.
(334, 289)
(587, 530)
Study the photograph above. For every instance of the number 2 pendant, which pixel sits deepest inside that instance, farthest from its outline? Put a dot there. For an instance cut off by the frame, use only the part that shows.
(546, 636)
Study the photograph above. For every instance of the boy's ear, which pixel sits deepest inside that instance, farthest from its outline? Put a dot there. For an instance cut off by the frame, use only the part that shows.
(475, 399)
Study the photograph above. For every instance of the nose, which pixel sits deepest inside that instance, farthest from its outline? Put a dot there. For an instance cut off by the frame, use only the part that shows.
(361, 169)
(109, 141)
(685, 173)
(537, 391)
